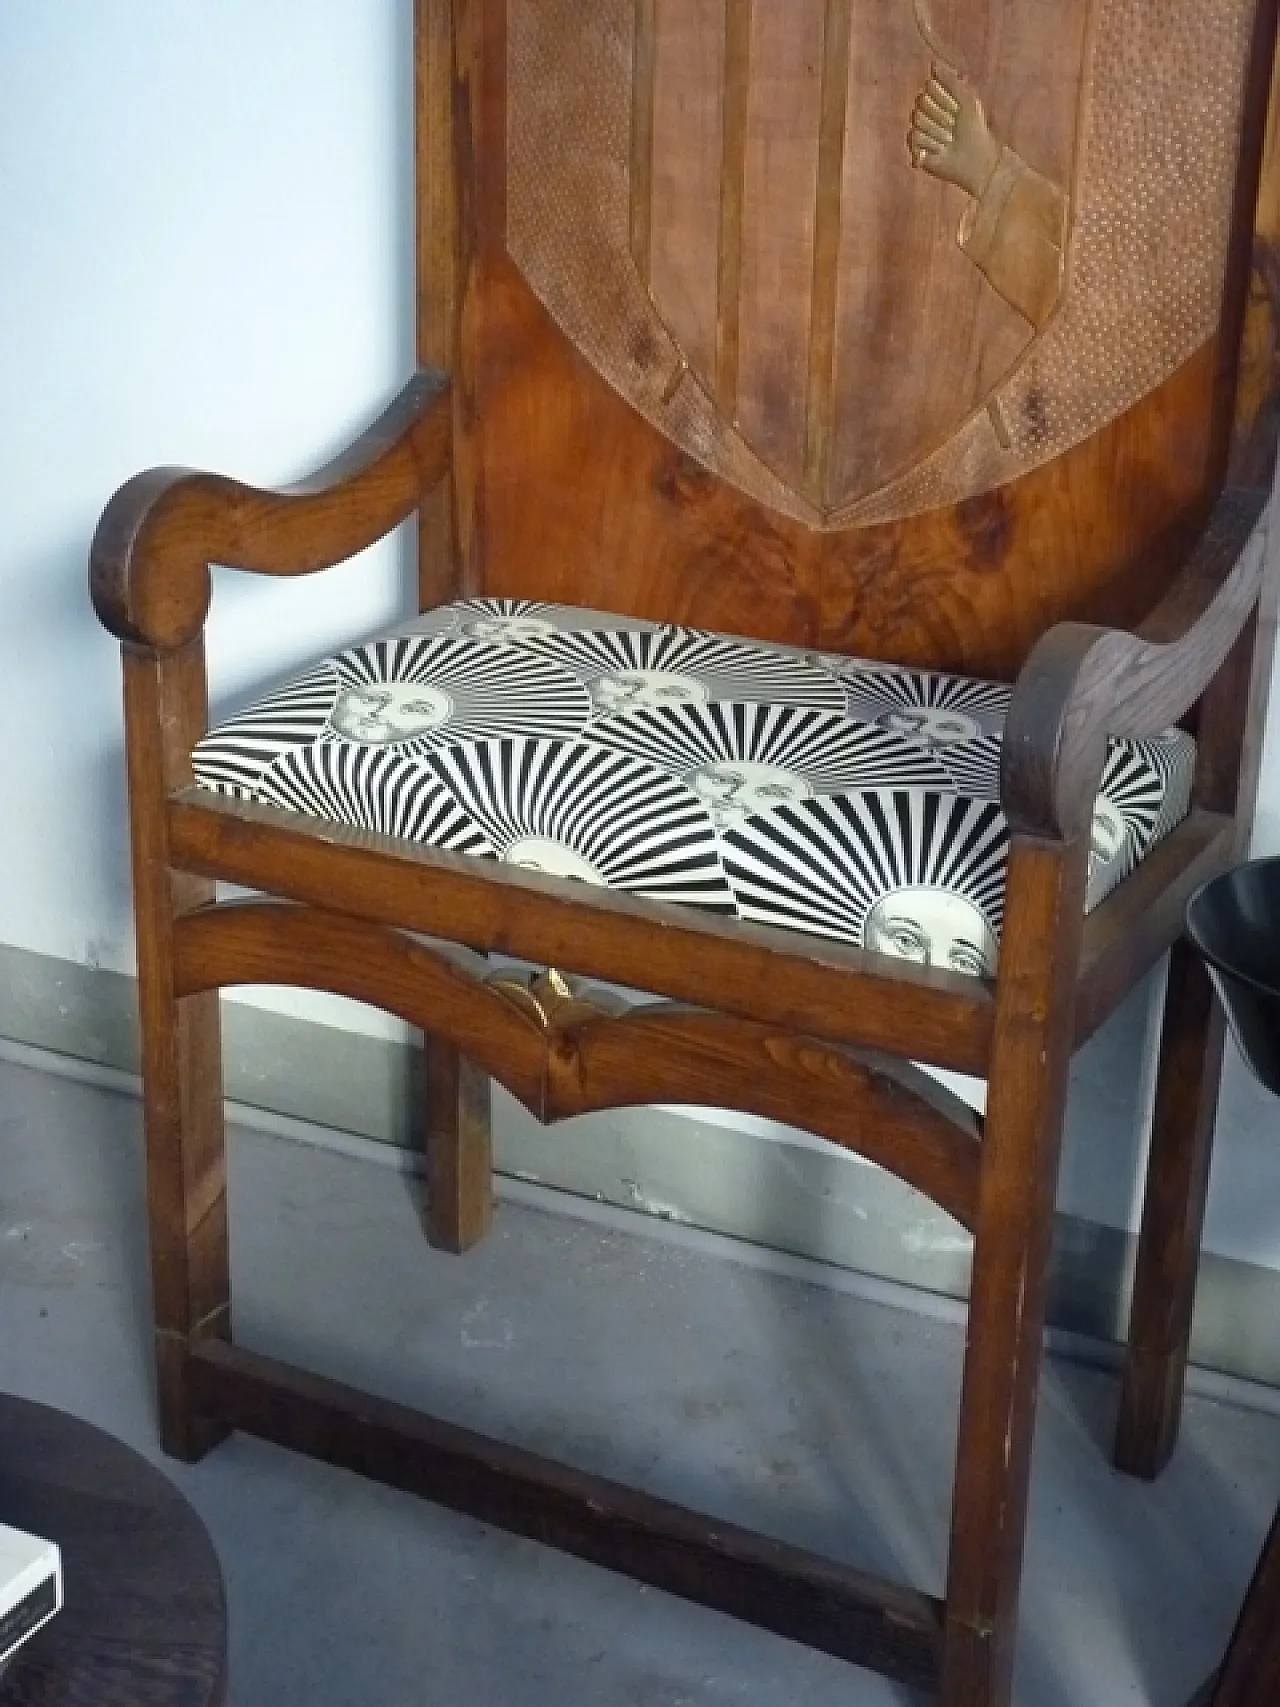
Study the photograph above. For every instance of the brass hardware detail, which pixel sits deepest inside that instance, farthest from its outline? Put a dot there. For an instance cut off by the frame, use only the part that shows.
(540, 996)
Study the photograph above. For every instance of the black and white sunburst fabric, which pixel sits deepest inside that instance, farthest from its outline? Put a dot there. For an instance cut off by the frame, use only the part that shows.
(575, 810)
(411, 693)
(918, 873)
(1144, 793)
(844, 798)
(743, 759)
(521, 622)
(962, 720)
(630, 670)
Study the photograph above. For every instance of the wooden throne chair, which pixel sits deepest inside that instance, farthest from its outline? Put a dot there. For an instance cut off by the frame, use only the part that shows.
(840, 457)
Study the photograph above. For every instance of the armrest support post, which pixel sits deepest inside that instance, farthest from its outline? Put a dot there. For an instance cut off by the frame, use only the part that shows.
(150, 559)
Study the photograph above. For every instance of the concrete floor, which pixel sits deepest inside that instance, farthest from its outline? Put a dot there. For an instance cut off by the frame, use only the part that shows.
(823, 1415)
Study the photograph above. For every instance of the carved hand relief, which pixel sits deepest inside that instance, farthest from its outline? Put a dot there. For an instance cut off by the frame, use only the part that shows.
(864, 261)
(1015, 228)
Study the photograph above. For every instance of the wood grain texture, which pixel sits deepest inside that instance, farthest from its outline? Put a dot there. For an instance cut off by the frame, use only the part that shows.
(149, 561)
(589, 505)
(1231, 722)
(882, 1109)
(1082, 683)
(637, 526)
(1256, 428)
(643, 119)
(269, 942)
(1230, 726)
(1186, 1106)
(458, 1145)
(583, 1060)
(1250, 1675)
(145, 1618)
(547, 471)
(915, 289)
(828, 232)
(1026, 1097)
(436, 179)
(1250, 428)
(778, 1587)
(437, 238)
(732, 198)
(1142, 918)
(166, 708)
(456, 1132)
(778, 977)
(781, 105)
(1093, 535)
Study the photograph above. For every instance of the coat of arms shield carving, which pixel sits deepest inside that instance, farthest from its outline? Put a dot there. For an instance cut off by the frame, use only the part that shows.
(862, 259)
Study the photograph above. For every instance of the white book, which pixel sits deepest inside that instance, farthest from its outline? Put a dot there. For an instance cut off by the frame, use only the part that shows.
(30, 1587)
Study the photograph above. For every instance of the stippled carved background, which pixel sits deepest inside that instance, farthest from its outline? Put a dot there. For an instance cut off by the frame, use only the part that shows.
(716, 202)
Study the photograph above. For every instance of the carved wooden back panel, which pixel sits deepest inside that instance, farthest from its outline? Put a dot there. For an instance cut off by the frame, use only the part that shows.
(898, 327)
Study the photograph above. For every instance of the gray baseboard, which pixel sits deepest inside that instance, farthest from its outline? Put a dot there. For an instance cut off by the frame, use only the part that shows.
(784, 1192)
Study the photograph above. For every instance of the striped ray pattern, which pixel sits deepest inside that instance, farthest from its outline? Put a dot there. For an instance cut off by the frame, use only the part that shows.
(826, 864)
(973, 766)
(961, 719)
(740, 758)
(233, 757)
(847, 799)
(628, 671)
(895, 699)
(478, 690)
(581, 811)
(519, 621)
(1147, 786)
(372, 789)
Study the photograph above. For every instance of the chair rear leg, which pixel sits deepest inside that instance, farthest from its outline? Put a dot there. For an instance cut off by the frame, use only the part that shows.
(459, 1150)
(1012, 1244)
(1189, 1076)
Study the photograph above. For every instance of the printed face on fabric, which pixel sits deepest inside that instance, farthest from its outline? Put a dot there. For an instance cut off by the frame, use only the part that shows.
(935, 927)
(506, 630)
(555, 859)
(646, 690)
(381, 712)
(818, 793)
(731, 791)
(935, 725)
(1106, 834)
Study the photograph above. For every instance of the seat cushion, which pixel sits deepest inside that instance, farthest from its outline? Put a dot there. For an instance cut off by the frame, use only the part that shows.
(821, 793)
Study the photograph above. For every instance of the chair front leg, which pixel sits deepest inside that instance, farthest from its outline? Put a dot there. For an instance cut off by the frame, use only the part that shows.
(1013, 1236)
(181, 1055)
(1250, 1675)
(459, 1151)
(1189, 1077)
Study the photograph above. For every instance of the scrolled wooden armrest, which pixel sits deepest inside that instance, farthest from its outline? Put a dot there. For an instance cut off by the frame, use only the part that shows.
(150, 557)
(1083, 683)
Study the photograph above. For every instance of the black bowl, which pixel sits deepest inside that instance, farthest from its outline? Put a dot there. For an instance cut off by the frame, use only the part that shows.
(1234, 923)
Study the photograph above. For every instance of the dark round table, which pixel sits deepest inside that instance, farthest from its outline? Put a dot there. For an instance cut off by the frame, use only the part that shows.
(144, 1620)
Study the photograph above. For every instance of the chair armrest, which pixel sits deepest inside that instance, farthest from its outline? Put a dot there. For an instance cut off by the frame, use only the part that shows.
(1083, 683)
(150, 557)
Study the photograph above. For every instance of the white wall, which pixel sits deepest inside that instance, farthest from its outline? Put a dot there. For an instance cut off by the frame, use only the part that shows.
(205, 258)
